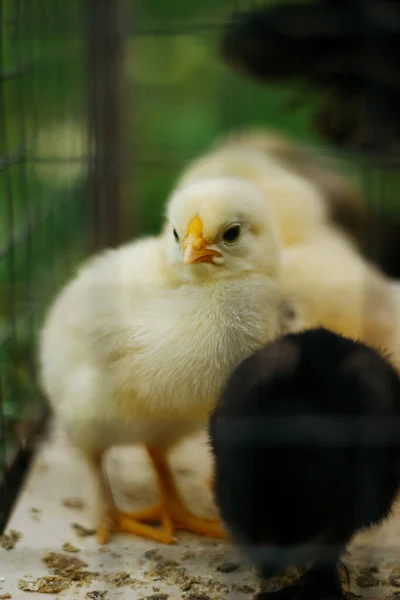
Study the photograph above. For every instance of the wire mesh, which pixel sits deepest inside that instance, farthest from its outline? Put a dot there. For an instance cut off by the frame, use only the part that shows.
(43, 180)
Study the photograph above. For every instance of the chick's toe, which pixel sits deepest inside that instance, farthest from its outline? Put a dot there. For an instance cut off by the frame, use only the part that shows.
(114, 521)
(173, 515)
(171, 512)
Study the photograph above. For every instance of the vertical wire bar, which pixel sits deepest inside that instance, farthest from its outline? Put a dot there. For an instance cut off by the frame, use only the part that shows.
(64, 242)
(26, 197)
(50, 29)
(10, 257)
(106, 121)
(35, 200)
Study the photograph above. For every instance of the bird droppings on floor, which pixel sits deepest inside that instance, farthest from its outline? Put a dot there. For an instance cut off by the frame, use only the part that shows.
(228, 567)
(83, 531)
(74, 503)
(45, 561)
(35, 513)
(62, 563)
(49, 584)
(156, 597)
(68, 547)
(9, 539)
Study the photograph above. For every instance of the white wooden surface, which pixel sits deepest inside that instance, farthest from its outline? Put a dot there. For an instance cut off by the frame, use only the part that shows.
(45, 523)
(58, 473)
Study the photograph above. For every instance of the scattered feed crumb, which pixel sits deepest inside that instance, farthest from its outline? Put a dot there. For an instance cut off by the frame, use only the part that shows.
(156, 597)
(366, 580)
(62, 562)
(35, 513)
(192, 587)
(153, 555)
(69, 568)
(82, 531)
(8, 540)
(49, 584)
(75, 503)
(394, 581)
(243, 588)
(119, 579)
(96, 595)
(68, 547)
(228, 567)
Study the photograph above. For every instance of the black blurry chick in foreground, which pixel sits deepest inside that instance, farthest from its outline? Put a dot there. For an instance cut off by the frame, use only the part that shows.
(295, 477)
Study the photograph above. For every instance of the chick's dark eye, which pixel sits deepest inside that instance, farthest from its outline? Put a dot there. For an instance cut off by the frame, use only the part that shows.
(176, 236)
(232, 234)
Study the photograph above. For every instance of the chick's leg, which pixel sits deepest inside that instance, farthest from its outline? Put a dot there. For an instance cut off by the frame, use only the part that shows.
(171, 509)
(111, 519)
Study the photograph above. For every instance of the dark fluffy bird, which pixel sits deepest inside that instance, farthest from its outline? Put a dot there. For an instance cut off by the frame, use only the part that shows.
(349, 51)
(307, 452)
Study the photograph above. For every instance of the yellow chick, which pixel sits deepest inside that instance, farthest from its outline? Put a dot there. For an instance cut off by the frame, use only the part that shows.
(324, 275)
(136, 348)
(340, 193)
(331, 285)
(296, 204)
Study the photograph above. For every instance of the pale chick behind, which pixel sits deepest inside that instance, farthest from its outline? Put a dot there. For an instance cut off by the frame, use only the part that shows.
(324, 276)
(332, 285)
(296, 204)
(137, 346)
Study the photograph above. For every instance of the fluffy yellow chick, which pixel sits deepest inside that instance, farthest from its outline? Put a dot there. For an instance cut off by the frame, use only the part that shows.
(331, 284)
(296, 204)
(339, 192)
(136, 348)
(328, 280)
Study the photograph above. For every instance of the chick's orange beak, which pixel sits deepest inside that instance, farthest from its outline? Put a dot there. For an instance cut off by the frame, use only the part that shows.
(194, 245)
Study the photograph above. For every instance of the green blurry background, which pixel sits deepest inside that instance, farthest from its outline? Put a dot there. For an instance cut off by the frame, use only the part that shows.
(179, 97)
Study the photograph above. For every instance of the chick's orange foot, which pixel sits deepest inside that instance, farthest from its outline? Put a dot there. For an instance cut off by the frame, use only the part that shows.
(174, 516)
(115, 521)
(171, 513)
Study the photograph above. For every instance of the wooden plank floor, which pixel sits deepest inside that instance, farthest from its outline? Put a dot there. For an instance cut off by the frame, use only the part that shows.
(129, 567)
(125, 567)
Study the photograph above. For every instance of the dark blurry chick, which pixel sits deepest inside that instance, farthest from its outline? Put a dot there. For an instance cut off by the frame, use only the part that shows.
(295, 478)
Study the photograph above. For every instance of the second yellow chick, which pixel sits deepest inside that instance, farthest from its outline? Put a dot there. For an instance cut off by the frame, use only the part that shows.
(323, 273)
